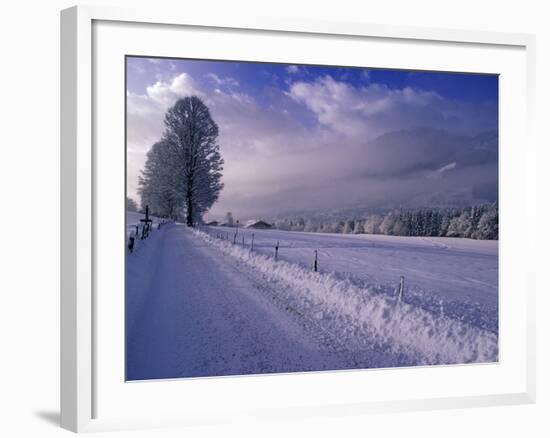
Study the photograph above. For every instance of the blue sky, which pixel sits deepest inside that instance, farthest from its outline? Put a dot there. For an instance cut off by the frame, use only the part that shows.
(296, 136)
(254, 78)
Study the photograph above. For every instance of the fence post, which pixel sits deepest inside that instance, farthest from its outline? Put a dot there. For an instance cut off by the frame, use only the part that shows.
(401, 288)
(277, 251)
(252, 245)
(315, 262)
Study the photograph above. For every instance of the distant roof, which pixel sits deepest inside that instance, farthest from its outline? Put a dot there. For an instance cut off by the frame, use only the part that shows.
(257, 224)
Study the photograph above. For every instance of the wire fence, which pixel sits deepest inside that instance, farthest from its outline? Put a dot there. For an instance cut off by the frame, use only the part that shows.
(246, 240)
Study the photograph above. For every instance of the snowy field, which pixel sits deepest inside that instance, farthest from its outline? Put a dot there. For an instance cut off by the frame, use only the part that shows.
(198, 305)
(458, 277)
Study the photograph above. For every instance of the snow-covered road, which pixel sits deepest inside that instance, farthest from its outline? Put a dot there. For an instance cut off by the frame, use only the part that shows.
(201, 306)
(192, 311)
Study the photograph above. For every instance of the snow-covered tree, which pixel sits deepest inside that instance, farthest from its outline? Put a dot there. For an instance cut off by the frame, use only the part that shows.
(310, 226)
(459, 225)
(387, 225)
(487, 227)
(131, 205)
(193, 133)
(372, 224)
(444, 224)
(229, 219)
(160, 184)
(475, 216)
(476, 222)
(401, 227)
(359, 227)
(299, 224)
(349, 226)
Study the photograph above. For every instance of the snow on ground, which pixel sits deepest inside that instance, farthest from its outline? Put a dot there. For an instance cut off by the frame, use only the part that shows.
(134, 226)
(367, 314)
(200, 306)
(191, 312)
(133, 218)
(457, 277)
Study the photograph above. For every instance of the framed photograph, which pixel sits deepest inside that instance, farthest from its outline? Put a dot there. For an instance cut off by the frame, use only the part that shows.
(341, 223)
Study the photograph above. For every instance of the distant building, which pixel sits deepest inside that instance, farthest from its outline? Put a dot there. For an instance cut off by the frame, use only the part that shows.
(259, 225)
(212, 223)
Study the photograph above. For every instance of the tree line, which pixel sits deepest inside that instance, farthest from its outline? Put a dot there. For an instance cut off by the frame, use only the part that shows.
(183, 170)
(475, 222)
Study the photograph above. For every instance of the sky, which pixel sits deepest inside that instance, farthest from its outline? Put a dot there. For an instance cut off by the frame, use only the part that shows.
(302, 138)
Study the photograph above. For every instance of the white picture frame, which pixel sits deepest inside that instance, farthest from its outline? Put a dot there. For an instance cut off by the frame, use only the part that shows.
(82, 43)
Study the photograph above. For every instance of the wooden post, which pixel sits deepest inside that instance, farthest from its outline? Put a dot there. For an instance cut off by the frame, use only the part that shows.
(401, 288)
(131, 243)
(277, 251)
(315, 262)
(252, 244)
(236, 232)
(146, 223)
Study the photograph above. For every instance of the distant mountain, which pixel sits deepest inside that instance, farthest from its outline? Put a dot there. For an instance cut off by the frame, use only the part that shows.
(416, 150)
(417, 168)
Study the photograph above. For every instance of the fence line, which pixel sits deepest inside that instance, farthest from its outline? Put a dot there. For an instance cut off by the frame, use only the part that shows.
(315, 265)
(140, 234)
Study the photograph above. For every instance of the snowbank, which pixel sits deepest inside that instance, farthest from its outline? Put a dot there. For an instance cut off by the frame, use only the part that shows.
(365, 314)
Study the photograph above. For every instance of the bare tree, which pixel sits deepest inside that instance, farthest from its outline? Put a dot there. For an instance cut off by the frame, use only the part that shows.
(182, 173)
(159, 185)
(131, 205)
(194, 134)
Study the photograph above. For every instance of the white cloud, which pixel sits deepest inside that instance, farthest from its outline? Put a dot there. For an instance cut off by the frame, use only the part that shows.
(361, 111)
(293, 69)
(228, 81)
(166, 92)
